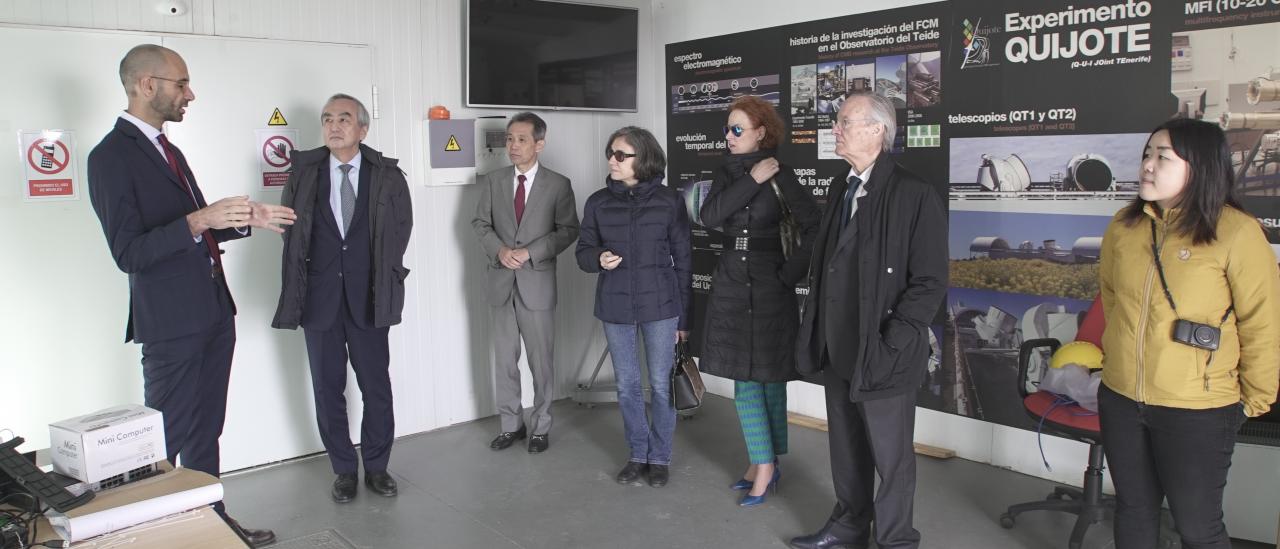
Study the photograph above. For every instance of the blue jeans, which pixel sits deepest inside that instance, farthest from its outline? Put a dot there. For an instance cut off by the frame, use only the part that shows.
(649, 437)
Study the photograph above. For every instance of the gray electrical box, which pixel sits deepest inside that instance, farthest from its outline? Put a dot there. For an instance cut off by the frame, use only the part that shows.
(452, 143)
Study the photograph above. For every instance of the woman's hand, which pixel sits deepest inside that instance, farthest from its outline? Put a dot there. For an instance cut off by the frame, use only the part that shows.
(682, 335)
(609, 261)
(764, 170)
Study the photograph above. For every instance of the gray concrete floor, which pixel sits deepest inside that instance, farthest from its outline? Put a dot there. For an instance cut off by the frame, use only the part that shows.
(456, 493)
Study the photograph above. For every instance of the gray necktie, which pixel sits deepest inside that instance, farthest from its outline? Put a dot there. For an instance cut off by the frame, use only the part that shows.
(348, 198)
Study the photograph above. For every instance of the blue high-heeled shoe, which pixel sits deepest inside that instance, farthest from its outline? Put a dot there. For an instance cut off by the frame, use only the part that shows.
(749, 500)
(746, 484)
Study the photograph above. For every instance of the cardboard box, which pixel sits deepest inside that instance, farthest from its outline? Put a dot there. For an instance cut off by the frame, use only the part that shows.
(195, 529)
(108, 442)
(117, 509)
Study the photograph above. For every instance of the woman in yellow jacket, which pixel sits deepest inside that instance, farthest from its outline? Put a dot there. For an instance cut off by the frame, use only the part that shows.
(1191, 294)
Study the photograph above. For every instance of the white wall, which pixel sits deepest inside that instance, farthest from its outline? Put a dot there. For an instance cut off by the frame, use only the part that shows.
(58, 341)
(440, 354)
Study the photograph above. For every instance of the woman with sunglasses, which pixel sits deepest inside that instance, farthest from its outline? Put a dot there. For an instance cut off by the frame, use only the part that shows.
(753, 314)
(635, 233)
(1191, 295)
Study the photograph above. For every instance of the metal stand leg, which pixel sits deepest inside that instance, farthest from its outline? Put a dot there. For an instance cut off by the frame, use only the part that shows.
(589, 394)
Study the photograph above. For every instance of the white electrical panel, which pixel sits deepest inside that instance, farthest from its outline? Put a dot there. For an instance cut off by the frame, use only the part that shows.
(491, 144)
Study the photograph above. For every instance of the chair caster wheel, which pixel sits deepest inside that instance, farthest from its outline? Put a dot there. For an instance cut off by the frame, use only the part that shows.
(1006, 520)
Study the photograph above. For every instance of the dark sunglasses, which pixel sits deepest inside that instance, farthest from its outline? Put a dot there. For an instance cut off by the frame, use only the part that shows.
(737, 130)
(618, 155)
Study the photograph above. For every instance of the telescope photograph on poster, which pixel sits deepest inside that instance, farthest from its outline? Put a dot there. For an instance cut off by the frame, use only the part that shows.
(978, 375)
(1026, 253)
(1232, 76)
(1051, 167)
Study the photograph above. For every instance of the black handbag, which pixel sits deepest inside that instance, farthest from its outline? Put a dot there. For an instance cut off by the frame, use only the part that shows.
(788, 229)
(687, 387)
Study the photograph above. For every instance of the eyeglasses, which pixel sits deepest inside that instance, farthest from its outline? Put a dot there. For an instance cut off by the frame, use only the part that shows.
(618, 155)
(846, 123)
(736, 129)
(182, 84)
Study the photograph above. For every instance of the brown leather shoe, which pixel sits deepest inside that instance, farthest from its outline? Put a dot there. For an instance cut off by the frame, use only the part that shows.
(256, 538)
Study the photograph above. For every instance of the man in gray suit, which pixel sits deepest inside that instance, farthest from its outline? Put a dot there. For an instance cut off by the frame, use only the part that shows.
(526, 216)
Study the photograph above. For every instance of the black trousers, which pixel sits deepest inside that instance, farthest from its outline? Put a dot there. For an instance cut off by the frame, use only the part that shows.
(869, 438)
(327, 352)
(186, 378)
(1156, 452)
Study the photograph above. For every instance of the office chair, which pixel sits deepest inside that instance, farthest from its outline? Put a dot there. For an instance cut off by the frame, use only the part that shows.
(1069, 421)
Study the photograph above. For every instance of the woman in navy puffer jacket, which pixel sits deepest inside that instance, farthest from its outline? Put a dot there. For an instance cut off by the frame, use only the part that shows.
(635, 233)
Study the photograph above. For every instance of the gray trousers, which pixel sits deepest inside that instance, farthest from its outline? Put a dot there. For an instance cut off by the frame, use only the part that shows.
(511, 321)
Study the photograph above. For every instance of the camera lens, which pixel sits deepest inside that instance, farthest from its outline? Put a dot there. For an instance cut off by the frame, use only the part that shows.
(1204, 334)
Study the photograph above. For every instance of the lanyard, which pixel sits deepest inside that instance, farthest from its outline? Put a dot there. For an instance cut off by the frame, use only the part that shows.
(1155, 250)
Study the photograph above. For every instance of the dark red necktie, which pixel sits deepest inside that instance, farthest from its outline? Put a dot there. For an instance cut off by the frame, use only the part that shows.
(520, 198)
(173, 165)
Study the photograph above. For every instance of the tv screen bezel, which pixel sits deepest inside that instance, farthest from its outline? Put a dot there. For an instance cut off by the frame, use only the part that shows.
(466, 90)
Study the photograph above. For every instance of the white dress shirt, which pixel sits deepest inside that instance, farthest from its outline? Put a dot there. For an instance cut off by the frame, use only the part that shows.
(335, 187)
(862, 188)
(152, 134)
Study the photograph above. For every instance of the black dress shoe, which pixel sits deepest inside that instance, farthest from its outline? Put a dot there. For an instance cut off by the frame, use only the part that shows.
(505, 440)
(381, 483)
(344, 488)
(631, 472)
(256, 538)
(658, 476)
(539, 443)
(824, 539)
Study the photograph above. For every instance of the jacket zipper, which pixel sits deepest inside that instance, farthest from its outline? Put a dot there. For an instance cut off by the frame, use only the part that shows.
(1142, 331)
(1142, 322)
(632, 212)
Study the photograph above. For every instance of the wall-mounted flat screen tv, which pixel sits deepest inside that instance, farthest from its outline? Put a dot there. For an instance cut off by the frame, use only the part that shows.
(546, 54)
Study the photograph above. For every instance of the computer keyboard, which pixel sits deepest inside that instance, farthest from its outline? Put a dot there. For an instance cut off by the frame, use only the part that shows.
(36, 482)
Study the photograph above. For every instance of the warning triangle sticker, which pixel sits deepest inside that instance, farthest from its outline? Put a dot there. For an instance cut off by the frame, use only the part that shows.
(452, 145)
(277, 119)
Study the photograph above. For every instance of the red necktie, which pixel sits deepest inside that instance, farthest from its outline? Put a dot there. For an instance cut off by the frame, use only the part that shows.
(520, 198)
(173, 165)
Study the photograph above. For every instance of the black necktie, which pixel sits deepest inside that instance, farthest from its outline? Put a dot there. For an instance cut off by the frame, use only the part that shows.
(846, 210)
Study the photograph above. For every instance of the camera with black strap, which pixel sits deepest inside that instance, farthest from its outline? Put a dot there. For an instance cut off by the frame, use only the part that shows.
(1187, 332)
